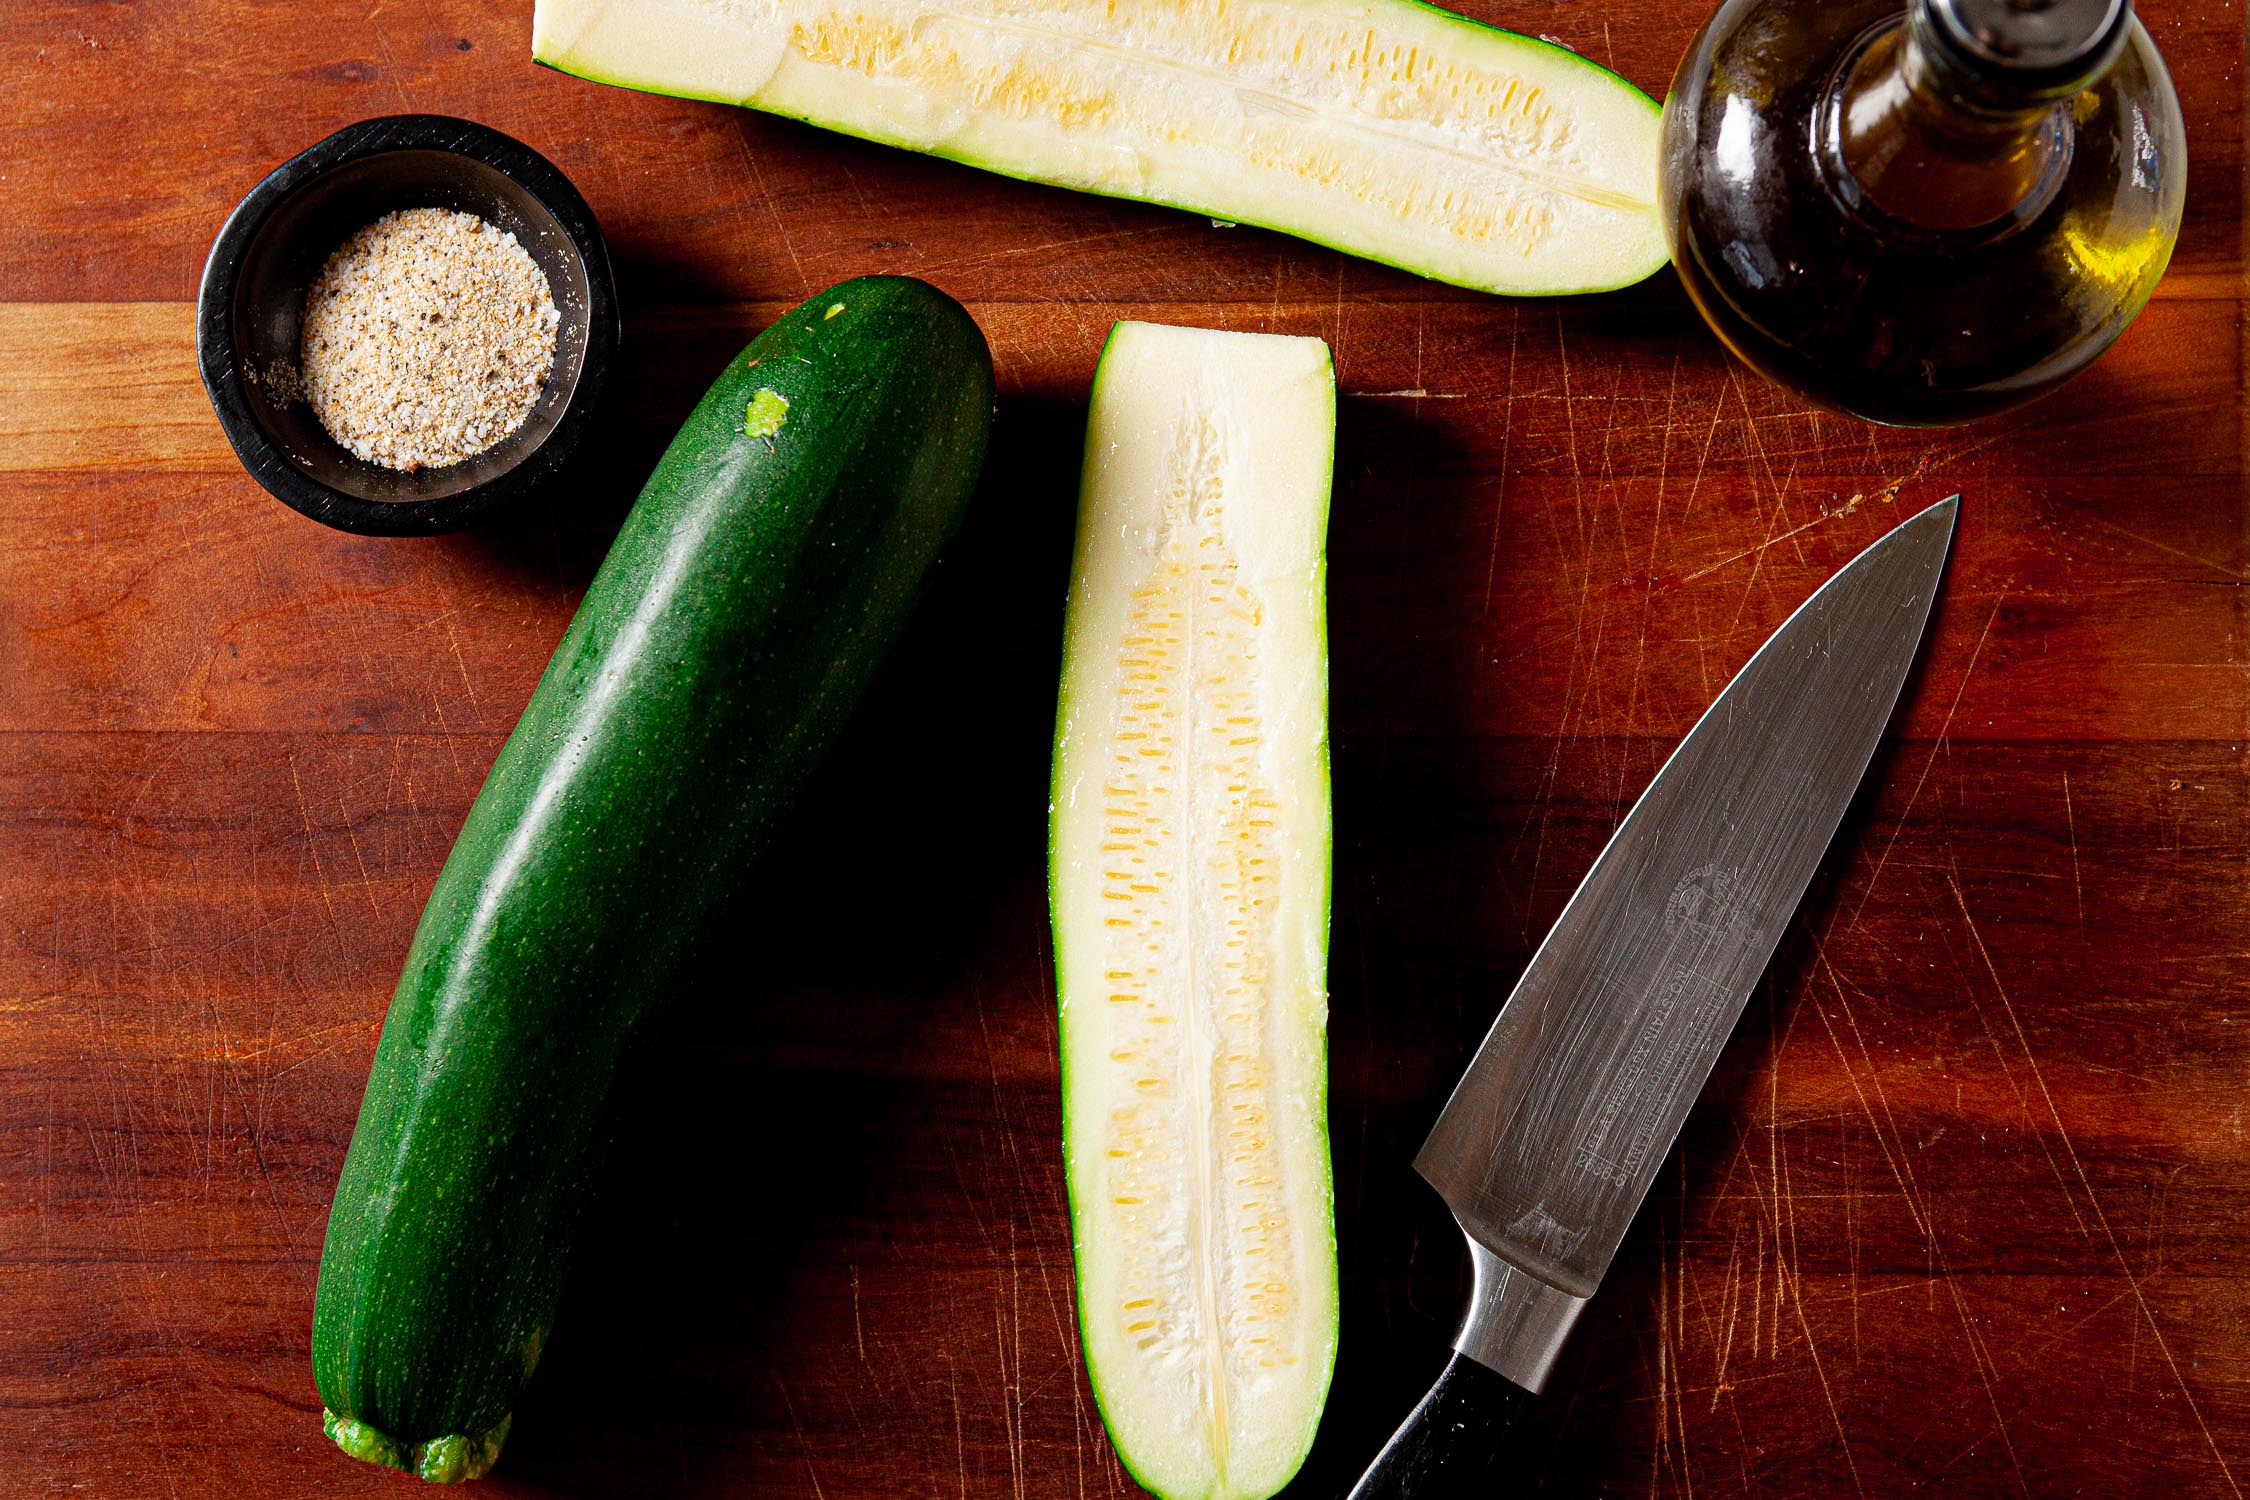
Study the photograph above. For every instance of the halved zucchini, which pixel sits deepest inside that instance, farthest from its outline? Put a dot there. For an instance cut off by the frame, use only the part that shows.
(1385, 128)
(1189, 866)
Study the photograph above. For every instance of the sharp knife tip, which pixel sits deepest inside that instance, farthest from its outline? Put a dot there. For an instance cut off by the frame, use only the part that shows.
(1930, 529)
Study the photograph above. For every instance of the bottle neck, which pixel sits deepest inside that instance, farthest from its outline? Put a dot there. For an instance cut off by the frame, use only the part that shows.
(1925, 142)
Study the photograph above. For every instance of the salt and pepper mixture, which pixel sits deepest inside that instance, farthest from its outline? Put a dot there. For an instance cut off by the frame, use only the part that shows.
(427, 338)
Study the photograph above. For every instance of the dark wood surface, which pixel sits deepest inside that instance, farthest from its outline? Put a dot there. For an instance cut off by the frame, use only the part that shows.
(1965, 1210)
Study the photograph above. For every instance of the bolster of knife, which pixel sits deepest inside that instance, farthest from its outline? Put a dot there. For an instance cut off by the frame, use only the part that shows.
(1516, 1324)
(1448, 1446)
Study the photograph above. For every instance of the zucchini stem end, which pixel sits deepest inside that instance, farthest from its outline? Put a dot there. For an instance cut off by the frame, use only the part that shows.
(452, 1459)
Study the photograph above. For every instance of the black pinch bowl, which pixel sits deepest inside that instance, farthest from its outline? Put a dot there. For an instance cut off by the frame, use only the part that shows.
(274, 244)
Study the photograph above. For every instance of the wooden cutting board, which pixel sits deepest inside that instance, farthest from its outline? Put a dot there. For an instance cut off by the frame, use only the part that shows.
(1966, 1208)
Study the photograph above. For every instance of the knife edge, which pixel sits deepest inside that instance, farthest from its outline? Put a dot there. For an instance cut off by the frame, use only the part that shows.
(1559, 1125)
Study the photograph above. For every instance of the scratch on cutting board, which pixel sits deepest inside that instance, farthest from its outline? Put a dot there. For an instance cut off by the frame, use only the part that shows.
(1719, 1386)
(312, 847)
(1937, 747)
(1570, 434)
(1072, 242)
(2070, 821)
(780, 229)
(1901, 1164)
(265, 1173)
(1500, 494)
(859, 1329)
(1703, 460)
(1670, 1435)
(1061, 1310)
(372, 1025)
(2156, 1331)
(390, 61)
(445, 731)
(467, 684)
(1757, 554)
(802, 1441)
(1663, 464)
(1835, 1414)
(960, 1446)
(2023, 1099)
(366, 881)
(2151, 542)
(1981, 1357)
(1774, 541)
(1788, 1287)
(1677, 1338)
(1781, 485)
(1011, 1368)
(289, 1041)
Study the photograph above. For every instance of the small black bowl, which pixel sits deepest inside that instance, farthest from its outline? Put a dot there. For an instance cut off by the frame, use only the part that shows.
(274, 244)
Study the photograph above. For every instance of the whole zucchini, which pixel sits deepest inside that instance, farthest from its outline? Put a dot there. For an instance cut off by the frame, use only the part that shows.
(767, 566)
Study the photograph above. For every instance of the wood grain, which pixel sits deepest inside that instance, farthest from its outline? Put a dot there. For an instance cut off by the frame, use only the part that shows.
(1963, 1209)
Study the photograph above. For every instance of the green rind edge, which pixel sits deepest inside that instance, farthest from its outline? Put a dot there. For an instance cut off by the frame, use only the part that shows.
(1228, 216)
(455, 1458)
(1055, 938)
(1328, 907)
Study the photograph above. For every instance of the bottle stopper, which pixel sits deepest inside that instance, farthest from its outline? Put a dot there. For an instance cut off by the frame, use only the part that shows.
(2033, 49)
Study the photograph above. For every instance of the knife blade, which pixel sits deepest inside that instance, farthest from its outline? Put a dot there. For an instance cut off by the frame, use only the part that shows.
(1557, 1128)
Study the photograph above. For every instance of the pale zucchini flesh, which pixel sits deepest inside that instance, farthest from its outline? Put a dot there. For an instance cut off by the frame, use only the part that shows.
(1386, 128)
(1189, 881)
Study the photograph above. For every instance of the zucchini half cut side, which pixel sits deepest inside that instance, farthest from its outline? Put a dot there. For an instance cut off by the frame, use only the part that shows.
(1384, 128)
(1189, 882)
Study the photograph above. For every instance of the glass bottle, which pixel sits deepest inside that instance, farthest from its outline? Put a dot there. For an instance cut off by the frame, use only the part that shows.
(1926, 214)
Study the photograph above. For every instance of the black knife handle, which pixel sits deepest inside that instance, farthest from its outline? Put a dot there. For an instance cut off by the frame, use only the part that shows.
(1448, 1446)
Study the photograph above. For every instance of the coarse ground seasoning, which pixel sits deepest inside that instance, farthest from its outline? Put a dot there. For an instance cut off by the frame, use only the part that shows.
(427, 338)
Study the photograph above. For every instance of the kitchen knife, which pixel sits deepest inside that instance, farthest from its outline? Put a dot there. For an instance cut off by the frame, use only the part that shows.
(1557, 1128)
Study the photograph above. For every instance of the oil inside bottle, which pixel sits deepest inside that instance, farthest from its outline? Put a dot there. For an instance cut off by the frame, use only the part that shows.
(1928, 214)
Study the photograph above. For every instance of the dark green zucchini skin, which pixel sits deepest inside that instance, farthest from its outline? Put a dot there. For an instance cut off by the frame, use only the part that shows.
(741, 611)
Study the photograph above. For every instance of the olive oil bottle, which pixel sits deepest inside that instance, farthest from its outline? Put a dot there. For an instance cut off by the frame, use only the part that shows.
(1922, 214)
